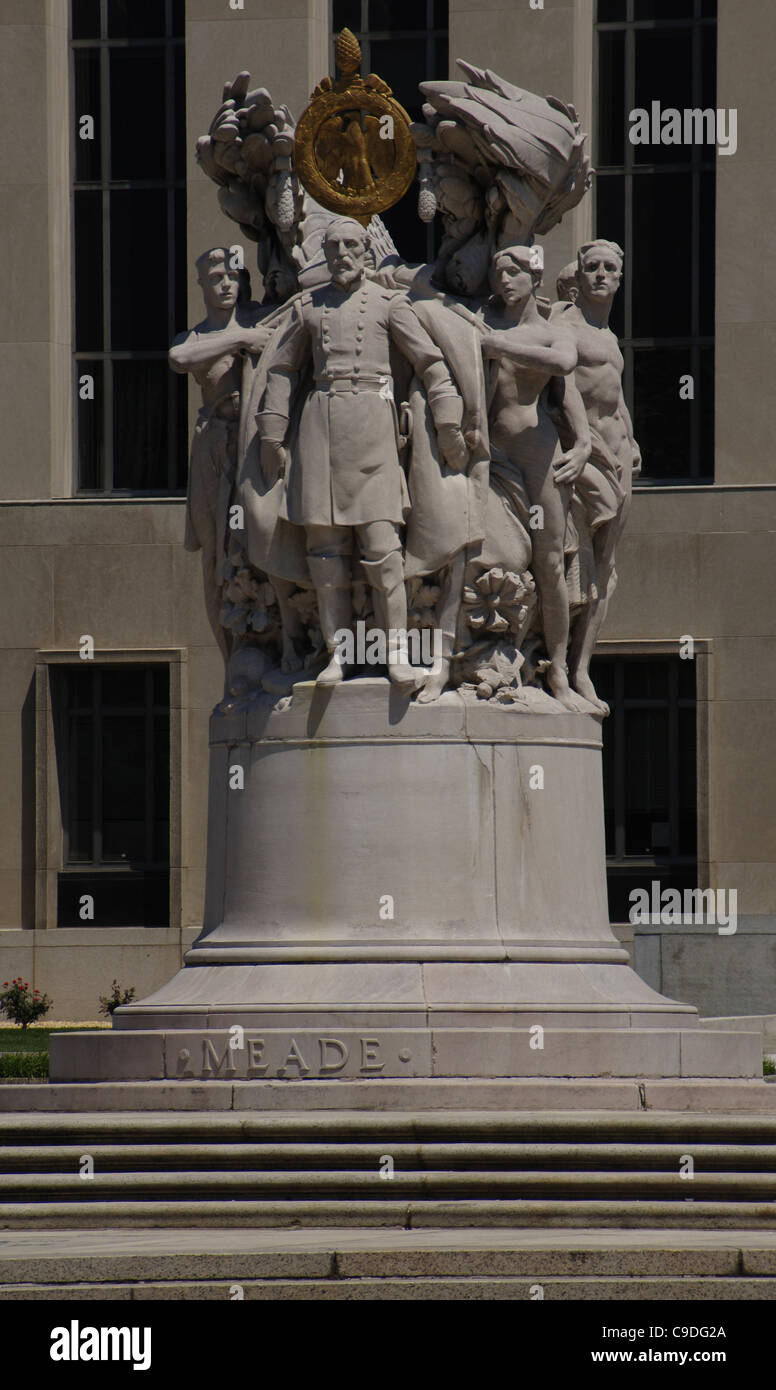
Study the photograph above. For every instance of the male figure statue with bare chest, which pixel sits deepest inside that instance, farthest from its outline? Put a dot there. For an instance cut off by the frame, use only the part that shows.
(606, 482)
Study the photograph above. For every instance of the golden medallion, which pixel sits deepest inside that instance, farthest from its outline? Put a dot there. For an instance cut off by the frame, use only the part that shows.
(353, 150)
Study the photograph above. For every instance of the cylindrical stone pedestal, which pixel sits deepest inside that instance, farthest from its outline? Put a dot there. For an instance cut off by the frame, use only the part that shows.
(398, 889)
(405, 890)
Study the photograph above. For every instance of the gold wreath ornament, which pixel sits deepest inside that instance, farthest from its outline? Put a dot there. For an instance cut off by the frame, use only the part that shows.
(353, 150)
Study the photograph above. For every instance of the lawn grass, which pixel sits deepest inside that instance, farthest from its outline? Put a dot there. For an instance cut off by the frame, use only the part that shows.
(24, 1052)
(35, 1038)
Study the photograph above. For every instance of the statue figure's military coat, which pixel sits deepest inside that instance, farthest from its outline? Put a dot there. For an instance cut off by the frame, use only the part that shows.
(344, 469)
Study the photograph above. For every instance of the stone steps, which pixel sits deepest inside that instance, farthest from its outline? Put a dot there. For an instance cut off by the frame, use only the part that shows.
(447, 1169)
(402, 1215)
(365, 1158)
(378, 1263)
(432, 1288)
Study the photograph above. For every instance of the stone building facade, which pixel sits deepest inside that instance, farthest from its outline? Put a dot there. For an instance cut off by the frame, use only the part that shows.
(104, 747)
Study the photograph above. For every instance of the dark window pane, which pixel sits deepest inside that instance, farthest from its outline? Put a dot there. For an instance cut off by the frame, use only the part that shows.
(125, 899)
(611, 97)
(706, 267)
(621, 882)
(161, 685)
(440, 65)
(85, 18)
(137, 85)
(646, 787)
(663, 74)
(139, 280)
(441, 14)
(136, 19)
(123, 686)
(704, 404)
(609, 10)
(687, 681)
(662, 258)
(346, 15)
(404, 225)
(80, 686)
(646, 680)
(402, 64)
(140, 425)
(661, 421)
(176, 112)
(88, 271)
(663, 9)
(180, 281)
(709, 9)
(708, 65)
(688, 826)
(610, 223)
(178, 18)
(123, 787)
(397, 14)
(87, 103)
(80, 773)
(90, 420)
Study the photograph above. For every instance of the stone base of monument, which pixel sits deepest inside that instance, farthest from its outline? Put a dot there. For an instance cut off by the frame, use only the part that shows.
(399, 890)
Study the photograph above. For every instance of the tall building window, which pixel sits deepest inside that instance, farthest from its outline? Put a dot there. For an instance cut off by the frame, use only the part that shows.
(649, 761)
(129, 210)
(112, 736)
(405, 42)
(657, 202)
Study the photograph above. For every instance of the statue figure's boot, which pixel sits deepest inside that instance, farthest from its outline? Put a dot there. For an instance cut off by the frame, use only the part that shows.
(331, 576)
(386, 577)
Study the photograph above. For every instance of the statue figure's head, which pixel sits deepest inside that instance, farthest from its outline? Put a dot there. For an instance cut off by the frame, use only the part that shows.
(346, 247)
(567, 285)
(222, 285)
(599, 270)
(516, 273)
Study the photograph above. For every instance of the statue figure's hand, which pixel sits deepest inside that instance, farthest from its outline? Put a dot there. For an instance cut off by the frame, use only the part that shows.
(490, 345)
(636, 459)
(453, 447)
(273, 460)
(570, 465)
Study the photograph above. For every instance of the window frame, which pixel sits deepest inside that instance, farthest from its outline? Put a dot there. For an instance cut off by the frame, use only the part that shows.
(703, 647)
(694, 166)
(50, 844)
(106, 186)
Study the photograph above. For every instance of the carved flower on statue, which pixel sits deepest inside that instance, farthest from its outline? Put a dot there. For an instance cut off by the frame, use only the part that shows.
(495, 603)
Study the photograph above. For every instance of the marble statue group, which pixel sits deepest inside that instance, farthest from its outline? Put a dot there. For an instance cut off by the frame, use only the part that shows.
(406, 447)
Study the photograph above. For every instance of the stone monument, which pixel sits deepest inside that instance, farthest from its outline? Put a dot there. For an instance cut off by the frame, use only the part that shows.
(407, 483)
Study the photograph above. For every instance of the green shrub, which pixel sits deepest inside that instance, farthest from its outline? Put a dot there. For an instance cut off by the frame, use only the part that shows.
(769, 1066)
(21, 1006)
(24, 1064)
(118, 996)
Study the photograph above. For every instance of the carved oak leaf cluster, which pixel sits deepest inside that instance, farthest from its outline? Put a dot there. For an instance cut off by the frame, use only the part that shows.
(421, 604)
(249, 604)
(248, 152)
(493, 671)
(500, 165)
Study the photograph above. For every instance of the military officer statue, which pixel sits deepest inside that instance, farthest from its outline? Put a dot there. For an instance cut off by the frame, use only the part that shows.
(344, 476)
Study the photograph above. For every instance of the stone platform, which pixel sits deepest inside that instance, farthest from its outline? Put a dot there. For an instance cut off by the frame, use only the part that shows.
(401, 890)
